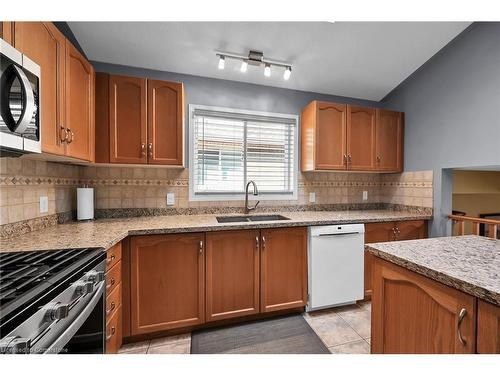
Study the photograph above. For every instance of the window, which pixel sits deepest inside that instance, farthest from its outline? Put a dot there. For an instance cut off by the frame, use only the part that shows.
(230, 147)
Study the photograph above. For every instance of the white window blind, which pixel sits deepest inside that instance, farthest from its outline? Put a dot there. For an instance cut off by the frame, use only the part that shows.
(230, 148)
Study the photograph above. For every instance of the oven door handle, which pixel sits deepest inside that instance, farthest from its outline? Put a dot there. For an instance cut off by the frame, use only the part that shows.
(28, 99)
(67, 335)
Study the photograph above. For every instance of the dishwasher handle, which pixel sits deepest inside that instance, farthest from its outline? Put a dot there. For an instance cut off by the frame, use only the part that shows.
(335, 234)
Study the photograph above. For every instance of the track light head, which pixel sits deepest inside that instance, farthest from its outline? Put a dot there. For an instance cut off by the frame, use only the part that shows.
(287, 73)
(244, 66)
(267, 70)
(222, 62)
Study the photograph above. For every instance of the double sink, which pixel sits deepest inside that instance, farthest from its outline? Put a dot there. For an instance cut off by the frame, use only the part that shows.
(249, 218)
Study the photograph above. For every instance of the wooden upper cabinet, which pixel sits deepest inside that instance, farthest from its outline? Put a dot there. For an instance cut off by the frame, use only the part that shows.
(283, 267)
(412, 314)
(488, 328)
(232, 274)
(323, 136)
(43, 43)
(167, 281)
(7, 31)
(360, 138)
(346, 137)
(127, 120)
(389, 141)
(165, 122)
(79, 96)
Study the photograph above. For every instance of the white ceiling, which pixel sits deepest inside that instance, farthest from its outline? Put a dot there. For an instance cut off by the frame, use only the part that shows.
(357, 59)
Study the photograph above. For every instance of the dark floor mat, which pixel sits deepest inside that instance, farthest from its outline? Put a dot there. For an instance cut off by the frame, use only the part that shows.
(284, 335)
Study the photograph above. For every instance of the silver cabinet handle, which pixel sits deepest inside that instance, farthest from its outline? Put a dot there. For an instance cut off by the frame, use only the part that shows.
(257, 242)
(150, 149)
(263, 242)
(345, 158)
(143, 149)
(201, 247)
(112, 282)
(379, 158)
(461, 317)
(113, 305)
(112, 258)
(113, 330)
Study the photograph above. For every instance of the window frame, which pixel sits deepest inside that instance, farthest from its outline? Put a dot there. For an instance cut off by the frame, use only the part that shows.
(241, 196)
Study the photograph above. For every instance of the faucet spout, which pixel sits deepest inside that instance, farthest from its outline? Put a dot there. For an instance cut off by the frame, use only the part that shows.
(255, 192)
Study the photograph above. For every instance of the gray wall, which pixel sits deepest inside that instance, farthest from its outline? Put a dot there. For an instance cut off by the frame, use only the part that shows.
(452, 111)
(231, 94)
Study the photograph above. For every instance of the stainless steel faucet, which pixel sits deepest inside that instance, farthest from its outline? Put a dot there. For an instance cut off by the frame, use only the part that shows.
(255, 192)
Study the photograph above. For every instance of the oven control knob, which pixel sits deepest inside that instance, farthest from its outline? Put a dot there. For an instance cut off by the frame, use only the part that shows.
(56, 311)
(95, 276)
(15, 345)
(84, 287)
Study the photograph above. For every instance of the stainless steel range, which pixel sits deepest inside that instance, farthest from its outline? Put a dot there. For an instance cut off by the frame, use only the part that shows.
(52, 301)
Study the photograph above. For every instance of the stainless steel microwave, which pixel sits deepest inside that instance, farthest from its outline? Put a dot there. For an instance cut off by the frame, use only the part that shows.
(20, 125)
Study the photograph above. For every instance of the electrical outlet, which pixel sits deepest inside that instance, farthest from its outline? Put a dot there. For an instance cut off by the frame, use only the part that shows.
(170, 199)
(312, 197)
(365, 195)
(44, 205)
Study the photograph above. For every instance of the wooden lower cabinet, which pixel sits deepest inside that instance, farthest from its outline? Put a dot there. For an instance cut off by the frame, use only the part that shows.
(389, 231)
(114, 332)
(414, 314)
(232, 274)
(167, 281)
(283, 267)
(113, 309)
(488, 328)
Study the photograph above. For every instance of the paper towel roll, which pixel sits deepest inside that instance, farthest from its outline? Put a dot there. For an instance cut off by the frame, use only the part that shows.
(85, 203)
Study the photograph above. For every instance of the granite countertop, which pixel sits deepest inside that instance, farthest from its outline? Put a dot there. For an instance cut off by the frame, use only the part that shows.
(107, 232)
(468, 263)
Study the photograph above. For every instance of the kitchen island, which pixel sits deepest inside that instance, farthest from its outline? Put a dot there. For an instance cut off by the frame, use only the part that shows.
(439, 295)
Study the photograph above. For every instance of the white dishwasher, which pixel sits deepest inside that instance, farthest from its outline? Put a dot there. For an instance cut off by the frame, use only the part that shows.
(336, 265)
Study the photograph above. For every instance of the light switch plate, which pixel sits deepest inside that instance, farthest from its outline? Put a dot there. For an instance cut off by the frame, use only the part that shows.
(44, 205)
(365, 195)
(312, 197)
(170, 199)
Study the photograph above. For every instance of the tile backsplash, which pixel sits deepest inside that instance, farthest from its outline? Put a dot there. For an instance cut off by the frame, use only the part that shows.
(24, 181)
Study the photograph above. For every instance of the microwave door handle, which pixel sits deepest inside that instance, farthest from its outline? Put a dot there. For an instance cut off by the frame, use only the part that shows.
(67, 335)
(28, 97)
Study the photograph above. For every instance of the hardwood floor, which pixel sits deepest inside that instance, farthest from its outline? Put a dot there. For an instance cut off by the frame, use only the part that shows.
(344, 330)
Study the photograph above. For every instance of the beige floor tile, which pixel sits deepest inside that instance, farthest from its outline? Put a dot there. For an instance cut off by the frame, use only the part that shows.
(180, 347)
(359, 321)
(185, 337)
(355, 347)
(333, 330)
(365, 305)
(135, 351)
(142, 345)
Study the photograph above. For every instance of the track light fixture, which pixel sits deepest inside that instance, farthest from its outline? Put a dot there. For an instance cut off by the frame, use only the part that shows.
(255, 58)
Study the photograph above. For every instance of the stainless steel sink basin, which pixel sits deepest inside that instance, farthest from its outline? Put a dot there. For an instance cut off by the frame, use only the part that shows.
(249, 218)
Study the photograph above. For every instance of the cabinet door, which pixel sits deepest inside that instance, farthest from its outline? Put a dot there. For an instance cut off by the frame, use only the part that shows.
(127, 120)
(283, 267)
(360, 138)
(165, 122)
(79, 97)
(488, 328)
(167, 282)
(412, 314)
(330, 139)
(7, 31)
(375, 232)
(232, 274)
(43, 43)
(389, 141)
(411, 230)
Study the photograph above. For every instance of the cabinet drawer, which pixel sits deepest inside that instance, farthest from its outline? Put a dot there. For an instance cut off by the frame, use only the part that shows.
(113, 255)
(113, 277)
(113, 301)
(114, 332)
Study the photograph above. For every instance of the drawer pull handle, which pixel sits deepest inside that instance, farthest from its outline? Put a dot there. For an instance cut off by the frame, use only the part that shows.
(113, 330)
(111, 258)
(201, 247)
(257, 242)
(112, 282)
(263, 242)
(111, 309)
(461, 317)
